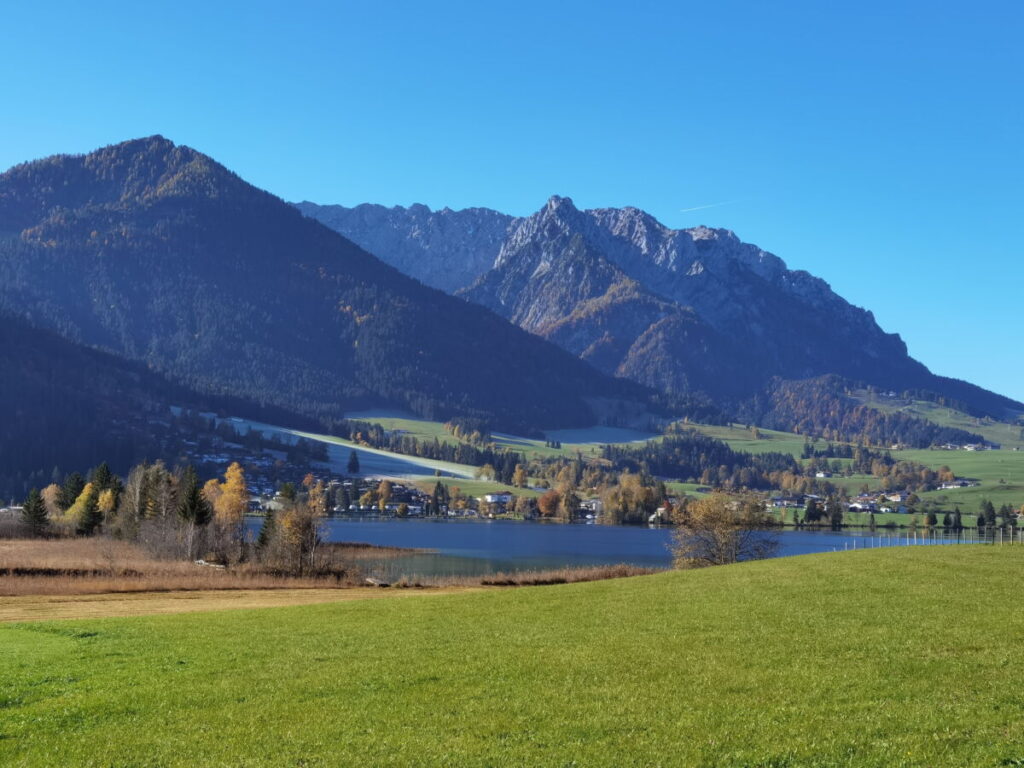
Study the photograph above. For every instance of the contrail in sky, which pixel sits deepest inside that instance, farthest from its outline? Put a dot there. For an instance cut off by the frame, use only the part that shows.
(702, 207)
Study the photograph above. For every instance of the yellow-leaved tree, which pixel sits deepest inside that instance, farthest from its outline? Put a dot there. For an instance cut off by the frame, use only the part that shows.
(230, 505)
(106, 502)
(301, 529)
(79, 508)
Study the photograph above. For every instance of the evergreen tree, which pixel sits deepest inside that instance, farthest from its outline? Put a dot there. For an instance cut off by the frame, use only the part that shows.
(342, 499)
(988, 510)
(947, 521)
(958, 520)
(33, 513)
(102, 478)
(353, 463)
(92, 516)
(193, 507)
(812, 513)
(835, 513)
(267, 530)
(73, 486)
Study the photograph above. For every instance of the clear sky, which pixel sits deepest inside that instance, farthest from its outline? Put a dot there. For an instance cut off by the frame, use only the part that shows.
(879, 145)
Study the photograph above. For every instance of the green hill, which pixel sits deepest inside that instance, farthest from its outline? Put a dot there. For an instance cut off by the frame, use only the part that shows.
(866, 658)
(1003, 433)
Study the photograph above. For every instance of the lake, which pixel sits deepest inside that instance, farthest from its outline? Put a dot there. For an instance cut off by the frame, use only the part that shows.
(475, 547)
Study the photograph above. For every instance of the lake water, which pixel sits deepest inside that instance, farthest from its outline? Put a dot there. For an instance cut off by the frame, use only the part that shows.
(475, 547)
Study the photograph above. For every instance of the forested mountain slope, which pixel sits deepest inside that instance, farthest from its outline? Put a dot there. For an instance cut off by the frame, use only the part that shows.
(63, 405)
(159, 254)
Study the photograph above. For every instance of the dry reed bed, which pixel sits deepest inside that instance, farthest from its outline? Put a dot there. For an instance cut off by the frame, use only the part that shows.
(98, 565)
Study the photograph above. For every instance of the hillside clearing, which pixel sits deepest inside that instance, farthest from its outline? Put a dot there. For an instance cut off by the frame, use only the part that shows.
(853, 659)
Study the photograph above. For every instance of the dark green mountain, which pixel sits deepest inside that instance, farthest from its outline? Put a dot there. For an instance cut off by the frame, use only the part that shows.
(158, 254)
(65, 405)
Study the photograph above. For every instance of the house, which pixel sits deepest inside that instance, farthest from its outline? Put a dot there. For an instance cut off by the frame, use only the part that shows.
(782, 502)
(863, 506)
(498, 498)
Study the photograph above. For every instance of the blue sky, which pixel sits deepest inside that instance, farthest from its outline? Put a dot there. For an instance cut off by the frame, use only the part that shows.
(879, 145)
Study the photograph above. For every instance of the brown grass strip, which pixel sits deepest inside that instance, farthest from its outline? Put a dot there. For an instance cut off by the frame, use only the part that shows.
(50, 607)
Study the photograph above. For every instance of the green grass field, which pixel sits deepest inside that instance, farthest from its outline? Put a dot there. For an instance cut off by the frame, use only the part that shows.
(990, 467)
(864, 658)
(585, 441)
(1007, 435)
(739, 438)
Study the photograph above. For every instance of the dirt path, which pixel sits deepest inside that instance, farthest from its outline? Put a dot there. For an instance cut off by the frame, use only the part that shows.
(46, 607)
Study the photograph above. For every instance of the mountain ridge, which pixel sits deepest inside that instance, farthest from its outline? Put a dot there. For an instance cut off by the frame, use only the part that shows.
(755, 318)
(159, 254)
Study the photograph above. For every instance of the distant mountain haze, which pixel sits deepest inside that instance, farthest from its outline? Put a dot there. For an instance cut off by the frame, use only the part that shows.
(678, 310)
(158, 254)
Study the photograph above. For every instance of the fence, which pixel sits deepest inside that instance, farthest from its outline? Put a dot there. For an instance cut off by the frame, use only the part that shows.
(935, 537)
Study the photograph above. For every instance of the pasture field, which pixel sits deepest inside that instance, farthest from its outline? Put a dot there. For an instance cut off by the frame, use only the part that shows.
(1006, 434)
(882, 520)
(990, 467)
(739, 438)
(804, 661)
(372, 461)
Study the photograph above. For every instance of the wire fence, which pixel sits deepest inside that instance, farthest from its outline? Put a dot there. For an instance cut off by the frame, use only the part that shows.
(936, 537)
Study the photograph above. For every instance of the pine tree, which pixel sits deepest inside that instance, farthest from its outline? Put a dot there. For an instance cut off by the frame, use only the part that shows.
(988, 509)
(92, 516)
(102, 478)
(72, 488)
(267, 530)
(193, 507)
(33, 514)
(958, 520)
(353, 463)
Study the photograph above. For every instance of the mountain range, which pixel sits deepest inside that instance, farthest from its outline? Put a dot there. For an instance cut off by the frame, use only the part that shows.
(146, 274)
(680, 310)
(158, 254)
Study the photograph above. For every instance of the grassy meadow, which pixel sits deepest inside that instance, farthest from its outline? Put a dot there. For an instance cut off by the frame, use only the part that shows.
(1003, 433)
(990, 467)
(852, 659)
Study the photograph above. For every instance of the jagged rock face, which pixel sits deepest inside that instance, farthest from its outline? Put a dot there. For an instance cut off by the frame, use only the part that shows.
(444, 249)
(679, 310)
(748, 293)
(792, 323)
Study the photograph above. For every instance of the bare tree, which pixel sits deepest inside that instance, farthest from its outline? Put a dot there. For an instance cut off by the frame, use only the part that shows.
(719, 529)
